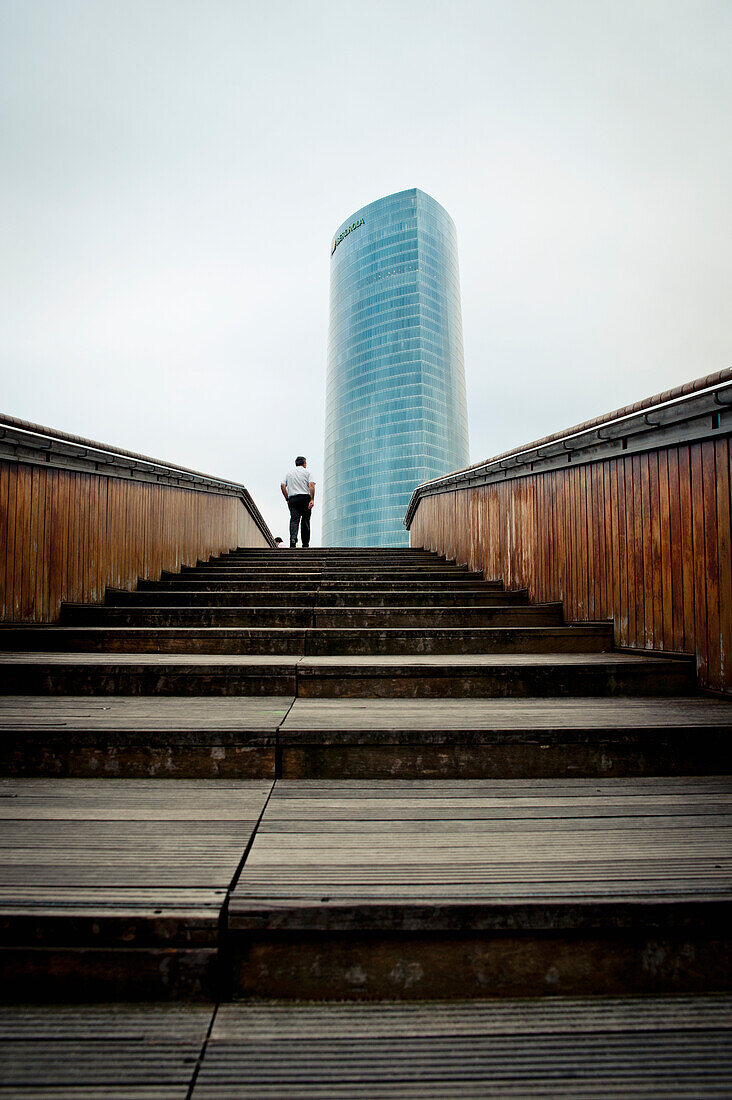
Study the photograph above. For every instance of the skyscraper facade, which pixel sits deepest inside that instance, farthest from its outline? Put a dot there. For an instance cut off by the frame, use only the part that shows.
(395, 405)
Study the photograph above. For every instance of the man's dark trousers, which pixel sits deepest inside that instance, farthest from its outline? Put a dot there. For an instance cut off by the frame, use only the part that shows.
(299, 511)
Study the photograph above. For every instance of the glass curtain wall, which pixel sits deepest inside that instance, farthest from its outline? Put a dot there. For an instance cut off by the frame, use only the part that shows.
(395, 405)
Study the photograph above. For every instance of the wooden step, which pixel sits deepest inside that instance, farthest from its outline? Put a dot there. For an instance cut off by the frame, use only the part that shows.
(268, 597)
(191, 582)
(139, 737)
(386, 576)
(318, 641)
(363, 618)
(503, 738)
(591, 1048)
(335, 553)
(389, 676)
(80, 1052)
(248, 737)
(485, 888)
(492, 675)
(146, 674)
(675, 1047)
(115, 888)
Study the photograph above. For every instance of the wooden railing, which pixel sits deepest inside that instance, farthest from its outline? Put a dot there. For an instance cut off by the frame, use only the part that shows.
(77, 516)
(626, 517)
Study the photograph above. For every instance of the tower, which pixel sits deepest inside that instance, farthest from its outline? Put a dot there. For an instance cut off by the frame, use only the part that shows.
(395, 405)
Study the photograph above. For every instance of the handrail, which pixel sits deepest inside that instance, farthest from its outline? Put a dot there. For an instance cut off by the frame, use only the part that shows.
(24, 441)
(598, 438)
(54, 433)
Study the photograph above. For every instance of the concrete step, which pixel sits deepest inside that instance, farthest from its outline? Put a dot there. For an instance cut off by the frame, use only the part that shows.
(535, 887)
(248, 737)
(396, 676)
(306, 641)
(361, 617)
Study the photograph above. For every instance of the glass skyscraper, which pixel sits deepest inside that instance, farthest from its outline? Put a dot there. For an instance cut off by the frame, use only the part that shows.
(395, 408)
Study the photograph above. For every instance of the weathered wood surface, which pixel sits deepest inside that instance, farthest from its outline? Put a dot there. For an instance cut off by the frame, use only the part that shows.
(115, 888)
(676, 1047)
(388, 675)
(508, 888)
(458, 842)
(251, 736)
(347, 717)
(280, 641)
(504, 738)
(146, 714)
(475, 661)
(645, 540)
(134, 737)
(66, 535)
(672, 1047)
(476, 595)
(334, 717)
(110, 1052)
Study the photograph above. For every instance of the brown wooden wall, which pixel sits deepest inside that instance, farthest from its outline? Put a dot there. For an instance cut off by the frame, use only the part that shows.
(66, 535)
(643, 540)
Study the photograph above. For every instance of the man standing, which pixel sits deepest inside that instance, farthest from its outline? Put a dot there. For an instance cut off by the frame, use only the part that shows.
(298, 489)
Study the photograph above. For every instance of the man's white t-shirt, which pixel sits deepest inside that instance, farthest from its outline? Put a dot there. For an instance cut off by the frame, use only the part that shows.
(297, 481)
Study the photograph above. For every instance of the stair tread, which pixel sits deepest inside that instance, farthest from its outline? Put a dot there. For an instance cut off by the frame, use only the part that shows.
(152, 713)
(204, 714)
(563, 629)
(356, 661)
(351, 715)
(329, 856)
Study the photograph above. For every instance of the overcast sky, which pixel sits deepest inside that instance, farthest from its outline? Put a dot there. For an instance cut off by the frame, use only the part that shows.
(173, 172)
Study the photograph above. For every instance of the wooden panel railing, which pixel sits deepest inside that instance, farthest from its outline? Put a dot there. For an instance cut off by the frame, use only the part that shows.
(627, 518)
(76, 517)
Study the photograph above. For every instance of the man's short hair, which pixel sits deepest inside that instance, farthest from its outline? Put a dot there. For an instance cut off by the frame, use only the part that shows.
(299, 461)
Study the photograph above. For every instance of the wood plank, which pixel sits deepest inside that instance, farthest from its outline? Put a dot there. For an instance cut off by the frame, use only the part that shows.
(711, 579)
(146, 713)
(622, 629)
(5, 585)
(115, 888)
(700, 562)
(724, 554)
(687, 548)
(135, 1051)
(23, 541)
(645, 575)
(351, 715)
(673, 553)
(42, 608)
(559, 1046)
(657, 637)
(624, 853)
(635, 550)
(12, 563)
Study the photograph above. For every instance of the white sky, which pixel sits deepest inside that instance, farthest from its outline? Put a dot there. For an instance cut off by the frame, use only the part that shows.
(173, 172)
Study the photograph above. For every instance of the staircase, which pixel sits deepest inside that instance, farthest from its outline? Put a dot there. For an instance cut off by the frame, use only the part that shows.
(426, 786)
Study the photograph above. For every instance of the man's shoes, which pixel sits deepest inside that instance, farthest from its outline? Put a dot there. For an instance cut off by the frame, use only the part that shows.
(293, 545)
